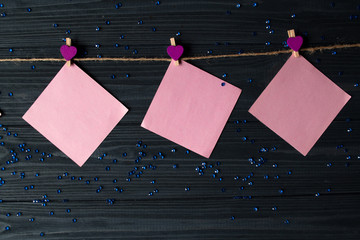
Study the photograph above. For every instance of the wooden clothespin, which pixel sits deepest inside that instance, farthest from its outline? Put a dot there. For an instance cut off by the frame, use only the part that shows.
(296, 43)
(172, 42)
(68, 43)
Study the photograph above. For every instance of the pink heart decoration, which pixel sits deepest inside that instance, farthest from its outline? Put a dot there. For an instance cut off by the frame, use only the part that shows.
(175, 52)
(68, 52)
(295, 43)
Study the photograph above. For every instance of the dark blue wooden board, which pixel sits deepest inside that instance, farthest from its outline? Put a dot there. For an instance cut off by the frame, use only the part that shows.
(320, 197)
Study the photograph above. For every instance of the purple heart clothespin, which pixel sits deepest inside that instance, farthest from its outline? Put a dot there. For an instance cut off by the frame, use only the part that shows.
(174, 51)
(68, 51)
(294, 43)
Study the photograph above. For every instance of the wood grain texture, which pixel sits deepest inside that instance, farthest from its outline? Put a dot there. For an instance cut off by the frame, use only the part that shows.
(203, 212)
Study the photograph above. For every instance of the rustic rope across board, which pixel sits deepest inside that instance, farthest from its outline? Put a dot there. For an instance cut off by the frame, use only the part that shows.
(144, 59)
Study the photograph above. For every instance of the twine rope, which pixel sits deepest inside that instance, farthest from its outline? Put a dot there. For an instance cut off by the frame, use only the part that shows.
(309, 50)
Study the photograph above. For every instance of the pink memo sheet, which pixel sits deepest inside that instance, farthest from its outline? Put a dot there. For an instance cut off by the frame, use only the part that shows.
(75, 113)
(299, 104)
(191, 108)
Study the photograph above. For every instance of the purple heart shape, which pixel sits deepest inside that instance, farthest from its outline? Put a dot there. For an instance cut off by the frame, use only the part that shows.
(175, 52)
(295, 43)
(68, 52)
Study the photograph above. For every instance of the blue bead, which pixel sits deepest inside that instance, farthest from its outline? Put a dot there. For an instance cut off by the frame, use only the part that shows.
(7, 228)
(157, 3)
(29, 9)
(68, 210)
(42, 234)
(223, 84)
(97, 29)
(254, 4)
(55, 25)
(74, 220)
(51, 213)
(238, 5)
(1, 5)
(107, 22)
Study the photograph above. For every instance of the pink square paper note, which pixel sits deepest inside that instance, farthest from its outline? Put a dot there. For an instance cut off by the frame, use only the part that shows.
(191, 108)
(75, 113)
(299, 104)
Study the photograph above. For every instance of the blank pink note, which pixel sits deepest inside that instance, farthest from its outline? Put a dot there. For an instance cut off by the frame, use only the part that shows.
(299, 104)
(75, 113)
(191, 108)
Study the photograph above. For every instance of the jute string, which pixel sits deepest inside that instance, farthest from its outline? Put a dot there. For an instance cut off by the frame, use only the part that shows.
(309, 50)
